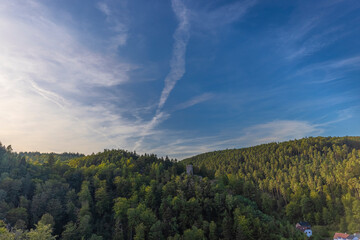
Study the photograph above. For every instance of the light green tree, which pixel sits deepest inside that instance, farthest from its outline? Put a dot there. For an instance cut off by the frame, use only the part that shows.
(42, 232)
(140, 232)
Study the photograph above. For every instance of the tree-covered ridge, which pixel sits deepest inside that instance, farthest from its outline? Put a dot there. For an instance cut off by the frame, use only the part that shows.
(37, 157)
(122, 195)
(313, 179)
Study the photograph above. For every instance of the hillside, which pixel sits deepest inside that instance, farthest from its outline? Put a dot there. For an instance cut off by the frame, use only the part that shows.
(118, 194)
(312, 179)
(37, 157)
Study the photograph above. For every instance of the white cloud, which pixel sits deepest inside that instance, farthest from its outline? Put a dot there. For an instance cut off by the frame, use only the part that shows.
(47, 75)
(221, 16)
(46, 78)
(333, 69)
(104, 8)
(277, 131)
(212, 19)
(34, 47)
(177, 67)
(311, 28)
(117, 23)
(195, 100)
(177, 64)
(274, 131)
(352, 63)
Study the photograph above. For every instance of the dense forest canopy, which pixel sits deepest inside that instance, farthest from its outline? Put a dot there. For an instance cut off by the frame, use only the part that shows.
(37, 157)
(252, 193)
(118, 194)
(312, 179)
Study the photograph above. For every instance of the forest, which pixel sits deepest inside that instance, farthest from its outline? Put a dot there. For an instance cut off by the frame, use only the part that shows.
(312, 179)
(251, 193)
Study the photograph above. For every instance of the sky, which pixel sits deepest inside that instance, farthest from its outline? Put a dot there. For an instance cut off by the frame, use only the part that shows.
(176, 77)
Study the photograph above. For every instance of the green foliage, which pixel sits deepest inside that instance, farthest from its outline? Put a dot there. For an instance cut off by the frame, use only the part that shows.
(96, 237)
(212, 231)
(15, 214)
(85, 227)
(120, 207)
(312, 179)
(194, 234)
(47, 219)
(42, 232)
(70, 232)
(50, 158)
(140, 232)
(7, 235)
(155, 232)
(242, 226)
(251, 193)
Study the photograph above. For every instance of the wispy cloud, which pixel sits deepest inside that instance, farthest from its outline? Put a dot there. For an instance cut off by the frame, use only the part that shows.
(305, 46)
(352, 63)
(35, 47)
(333, 69)
(312, 28)
(104, 8)
(207, 19)
(195, 100)
(277, 131)
(342, 115)
(58, 94)
(274, 131)
(177, 65)
(46, 78)
(213, 18)
(118, 23)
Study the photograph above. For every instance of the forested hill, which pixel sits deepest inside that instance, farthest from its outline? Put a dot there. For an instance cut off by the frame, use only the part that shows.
(37, 157)
(312, 179)
(122, 195)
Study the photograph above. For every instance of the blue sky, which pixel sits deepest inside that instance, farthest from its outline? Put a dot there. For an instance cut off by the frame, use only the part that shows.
(176, 77)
